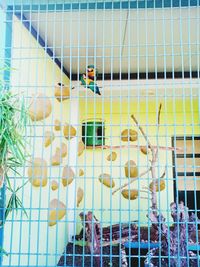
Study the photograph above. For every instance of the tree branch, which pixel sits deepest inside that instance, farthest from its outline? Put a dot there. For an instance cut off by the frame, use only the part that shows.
(153, 162)
(142, 131)
(158, 118)
(130, 181)
(138, 147)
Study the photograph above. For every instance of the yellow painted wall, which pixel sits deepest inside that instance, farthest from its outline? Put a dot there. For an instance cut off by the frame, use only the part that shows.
(30, 240)
(178, 117)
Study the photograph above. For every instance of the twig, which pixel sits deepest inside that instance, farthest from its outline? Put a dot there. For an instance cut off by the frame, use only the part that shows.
(116, 242)
(130, 182)
(164, 173)
(145, 187)
(159, 112)
(145, 191)
(153, 168)
(142, 131)
(153, 163)
(158, 125)
(137, 146)
(146, 198)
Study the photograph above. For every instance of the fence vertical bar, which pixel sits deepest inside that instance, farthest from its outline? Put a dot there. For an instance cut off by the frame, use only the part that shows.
(6, 17)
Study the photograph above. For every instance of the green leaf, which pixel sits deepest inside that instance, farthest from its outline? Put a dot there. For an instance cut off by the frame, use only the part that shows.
(15, 203)
(21, 186)
(21, 206)
(9, 207)
(13, 122)
(8, 183)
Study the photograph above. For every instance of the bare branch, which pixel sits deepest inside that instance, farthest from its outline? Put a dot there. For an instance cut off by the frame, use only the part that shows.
(145, 191)
(142, 131)
(153, 167)
(146, 198)
(163, 175)
(130, 181)
(179, 149)
(116, 242)
(159, 112)
(158, 125)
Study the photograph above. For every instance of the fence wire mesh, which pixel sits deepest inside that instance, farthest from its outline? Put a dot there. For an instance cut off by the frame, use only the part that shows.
(111, 175)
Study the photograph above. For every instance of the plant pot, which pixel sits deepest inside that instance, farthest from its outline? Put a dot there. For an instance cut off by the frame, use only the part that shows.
(137, 251)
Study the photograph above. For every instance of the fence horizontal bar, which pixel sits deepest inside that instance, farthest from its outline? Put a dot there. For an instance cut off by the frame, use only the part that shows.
(106, 5)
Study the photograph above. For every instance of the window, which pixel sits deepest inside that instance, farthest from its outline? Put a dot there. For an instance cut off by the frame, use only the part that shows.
(93, 133)
(186, 171)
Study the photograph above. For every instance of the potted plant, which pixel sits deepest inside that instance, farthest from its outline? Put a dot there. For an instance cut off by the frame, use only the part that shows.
(13, 121)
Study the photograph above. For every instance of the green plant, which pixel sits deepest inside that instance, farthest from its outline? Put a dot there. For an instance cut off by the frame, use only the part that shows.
(13, 122)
